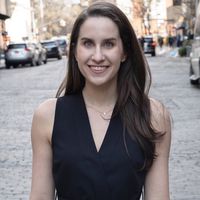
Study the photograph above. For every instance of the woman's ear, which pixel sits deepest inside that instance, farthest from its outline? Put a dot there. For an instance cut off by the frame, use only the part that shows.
(123, 58)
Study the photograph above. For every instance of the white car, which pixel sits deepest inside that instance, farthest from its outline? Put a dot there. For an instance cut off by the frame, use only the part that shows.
(21, 53)
(195, 61)
(195, 53)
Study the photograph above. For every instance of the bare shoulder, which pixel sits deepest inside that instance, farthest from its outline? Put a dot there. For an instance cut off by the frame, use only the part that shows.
(161, 122)
(160, 115)
(41, 133)
(43, 118)
(46, 107)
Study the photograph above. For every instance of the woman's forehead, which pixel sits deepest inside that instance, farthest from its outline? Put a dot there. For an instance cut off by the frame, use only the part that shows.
(99, 26)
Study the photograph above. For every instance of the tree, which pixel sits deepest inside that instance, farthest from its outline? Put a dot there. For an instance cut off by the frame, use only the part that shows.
(54, 17)
(141, 10)
(188, 7)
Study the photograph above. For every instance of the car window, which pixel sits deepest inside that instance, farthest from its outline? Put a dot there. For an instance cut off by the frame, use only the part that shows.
(62, 42)
(49, 44)
(16, 46)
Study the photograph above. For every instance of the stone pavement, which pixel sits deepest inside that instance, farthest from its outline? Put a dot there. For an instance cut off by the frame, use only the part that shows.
(171, 86)
(22, 89)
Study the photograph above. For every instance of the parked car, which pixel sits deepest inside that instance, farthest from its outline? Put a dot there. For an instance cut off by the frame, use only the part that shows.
(42, 53)
(63, 45)
(21, 53)
(195, 52)
(53, 49)
(148, 45)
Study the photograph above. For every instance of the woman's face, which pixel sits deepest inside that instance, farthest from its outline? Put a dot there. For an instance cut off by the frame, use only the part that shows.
(99, 51)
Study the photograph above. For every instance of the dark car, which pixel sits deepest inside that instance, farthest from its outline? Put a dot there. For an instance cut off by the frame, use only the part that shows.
(21, 53)
(53, 49)
(148, 45)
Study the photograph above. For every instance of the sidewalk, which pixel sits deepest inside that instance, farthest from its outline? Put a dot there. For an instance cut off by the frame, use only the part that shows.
(2, 63)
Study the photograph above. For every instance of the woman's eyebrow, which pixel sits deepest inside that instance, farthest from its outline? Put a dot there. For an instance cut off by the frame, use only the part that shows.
(85, 38)
(106, 39)
(110, 39)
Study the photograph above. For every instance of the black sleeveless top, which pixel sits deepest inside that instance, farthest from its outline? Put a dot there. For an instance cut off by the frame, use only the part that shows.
(80, 171)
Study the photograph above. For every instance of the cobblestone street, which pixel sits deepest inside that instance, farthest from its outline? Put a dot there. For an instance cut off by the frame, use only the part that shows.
(22, 89)
(171, 85)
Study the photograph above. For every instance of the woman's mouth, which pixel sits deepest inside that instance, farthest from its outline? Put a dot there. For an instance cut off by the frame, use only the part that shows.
(98, 69)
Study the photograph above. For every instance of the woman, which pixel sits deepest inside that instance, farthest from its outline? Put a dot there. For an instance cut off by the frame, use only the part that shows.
(104, 138)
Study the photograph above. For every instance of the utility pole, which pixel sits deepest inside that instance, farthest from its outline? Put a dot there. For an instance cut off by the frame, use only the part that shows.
(41, 29)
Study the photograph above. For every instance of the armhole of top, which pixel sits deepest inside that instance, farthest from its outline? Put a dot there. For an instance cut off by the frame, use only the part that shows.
(54, 121)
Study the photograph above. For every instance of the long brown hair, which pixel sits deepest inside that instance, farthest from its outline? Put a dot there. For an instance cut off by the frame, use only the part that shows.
(134, 78)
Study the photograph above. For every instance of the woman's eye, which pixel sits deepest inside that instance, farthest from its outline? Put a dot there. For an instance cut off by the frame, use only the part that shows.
(108, 44)
(88, 44)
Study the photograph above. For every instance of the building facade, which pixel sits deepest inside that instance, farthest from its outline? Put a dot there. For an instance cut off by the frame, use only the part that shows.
(164, 17)
(20, 24)
(3, 16)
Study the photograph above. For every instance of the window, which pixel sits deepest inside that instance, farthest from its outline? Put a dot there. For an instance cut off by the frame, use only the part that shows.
(177, 2)
(16, 46)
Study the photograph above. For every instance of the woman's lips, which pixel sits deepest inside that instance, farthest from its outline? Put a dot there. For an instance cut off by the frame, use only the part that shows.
(98, 69)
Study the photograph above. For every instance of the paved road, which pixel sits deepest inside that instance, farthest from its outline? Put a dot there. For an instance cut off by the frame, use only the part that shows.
(22, 89)
(171, 85)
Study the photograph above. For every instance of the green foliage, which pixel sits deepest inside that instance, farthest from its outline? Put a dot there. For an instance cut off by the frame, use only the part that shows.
(182, 51)
(48, 19)
(186, 48)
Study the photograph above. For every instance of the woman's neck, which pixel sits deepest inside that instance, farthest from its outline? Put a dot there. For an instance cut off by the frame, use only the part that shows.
(100, 96)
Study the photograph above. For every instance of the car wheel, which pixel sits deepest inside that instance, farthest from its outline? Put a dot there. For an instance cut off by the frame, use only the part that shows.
(7, 66)
(153, 53)
(194, 82)
(33, 62)
(45, 60)
(39, 62)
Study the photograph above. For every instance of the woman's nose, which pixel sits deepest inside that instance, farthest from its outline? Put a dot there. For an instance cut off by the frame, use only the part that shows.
(98, 55)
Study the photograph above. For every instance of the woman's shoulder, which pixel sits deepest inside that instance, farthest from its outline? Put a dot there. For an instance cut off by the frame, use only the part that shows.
(46, 108)
(157, 107)
(160, 115)
(43, 118)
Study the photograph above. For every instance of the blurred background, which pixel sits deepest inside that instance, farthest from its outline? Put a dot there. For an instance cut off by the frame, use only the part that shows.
(32, 20)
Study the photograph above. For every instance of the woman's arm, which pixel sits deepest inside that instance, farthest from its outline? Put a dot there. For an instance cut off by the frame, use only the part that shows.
(157, 179)
(42, 187)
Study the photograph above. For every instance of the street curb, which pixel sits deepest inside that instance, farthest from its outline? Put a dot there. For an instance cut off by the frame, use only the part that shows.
(2, 63)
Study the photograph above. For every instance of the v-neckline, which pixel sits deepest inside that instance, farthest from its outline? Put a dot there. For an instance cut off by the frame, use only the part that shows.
(89, 131)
